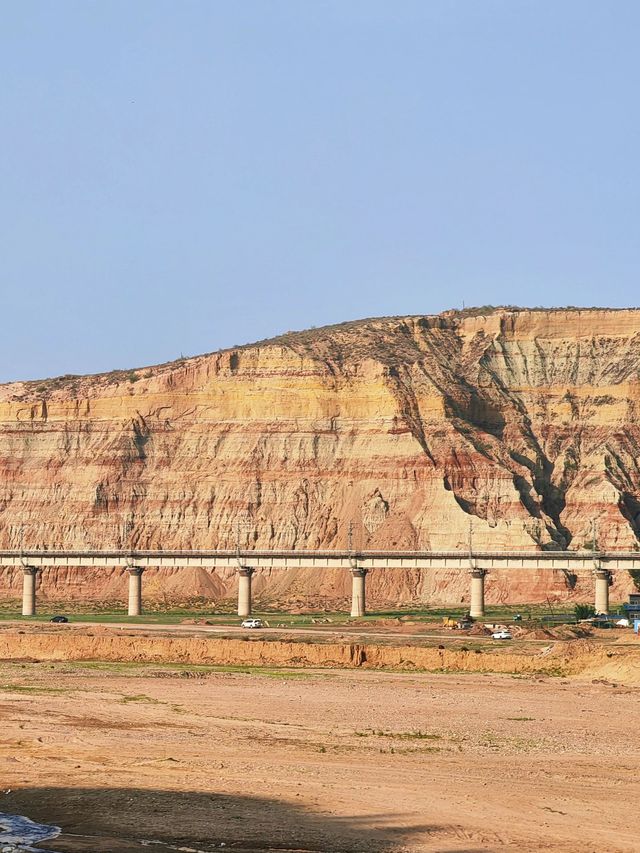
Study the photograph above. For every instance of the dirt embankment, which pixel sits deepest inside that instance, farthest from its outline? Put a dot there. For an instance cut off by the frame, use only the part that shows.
(580, 657)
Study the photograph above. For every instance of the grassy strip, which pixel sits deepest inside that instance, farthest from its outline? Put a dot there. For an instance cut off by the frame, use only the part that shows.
(94, 612)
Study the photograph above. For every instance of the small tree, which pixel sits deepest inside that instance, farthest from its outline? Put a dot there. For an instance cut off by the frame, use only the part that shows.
(584, 611)
(635, 577)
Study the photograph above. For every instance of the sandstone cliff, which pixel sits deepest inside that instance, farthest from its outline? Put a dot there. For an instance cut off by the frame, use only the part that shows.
(525, 421)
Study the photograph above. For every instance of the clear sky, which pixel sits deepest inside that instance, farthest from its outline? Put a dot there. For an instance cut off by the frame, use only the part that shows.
(176, 177)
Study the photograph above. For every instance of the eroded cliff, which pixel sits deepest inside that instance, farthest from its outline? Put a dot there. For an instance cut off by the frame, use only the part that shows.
(402, 428)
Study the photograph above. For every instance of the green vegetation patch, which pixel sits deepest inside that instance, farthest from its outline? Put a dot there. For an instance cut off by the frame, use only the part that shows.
(140, 697)
(185, 670)
(415, 734)
(32, 689)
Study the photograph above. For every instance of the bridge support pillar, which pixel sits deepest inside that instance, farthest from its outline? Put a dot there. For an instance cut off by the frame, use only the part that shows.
(135, 590)
(603, 579)
(358, 599)
(29, 590)
(245, 573)
(476, 607)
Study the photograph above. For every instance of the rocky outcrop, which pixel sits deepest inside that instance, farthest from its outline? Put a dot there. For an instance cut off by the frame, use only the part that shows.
(405, 430)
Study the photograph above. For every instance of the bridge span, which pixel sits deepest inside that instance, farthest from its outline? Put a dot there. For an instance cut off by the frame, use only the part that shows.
(603, 564)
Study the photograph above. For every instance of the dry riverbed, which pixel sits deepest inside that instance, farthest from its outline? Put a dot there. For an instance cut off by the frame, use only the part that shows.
(335, 760)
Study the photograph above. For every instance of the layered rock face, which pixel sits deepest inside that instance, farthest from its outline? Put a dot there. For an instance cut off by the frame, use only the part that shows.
(402, 430)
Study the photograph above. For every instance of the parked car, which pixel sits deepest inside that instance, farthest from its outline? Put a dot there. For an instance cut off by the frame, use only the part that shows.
(252, 623)
(502, 635)
(59, 619)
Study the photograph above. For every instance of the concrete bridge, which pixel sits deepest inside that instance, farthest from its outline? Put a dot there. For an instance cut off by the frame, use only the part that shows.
(477, 564)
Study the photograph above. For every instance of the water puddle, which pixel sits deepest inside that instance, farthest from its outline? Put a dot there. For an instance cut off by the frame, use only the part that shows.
(18, 834)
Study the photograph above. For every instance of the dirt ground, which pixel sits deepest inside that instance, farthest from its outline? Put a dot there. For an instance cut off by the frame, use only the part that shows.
(318, 760)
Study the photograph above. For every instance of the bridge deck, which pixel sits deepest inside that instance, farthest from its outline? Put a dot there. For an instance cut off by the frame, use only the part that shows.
(455, 560)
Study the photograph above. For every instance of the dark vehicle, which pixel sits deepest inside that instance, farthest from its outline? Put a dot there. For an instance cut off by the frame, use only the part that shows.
(59, 619)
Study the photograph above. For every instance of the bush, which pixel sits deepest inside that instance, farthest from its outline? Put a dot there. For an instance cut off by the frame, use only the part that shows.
(635, 577)
(584, 611)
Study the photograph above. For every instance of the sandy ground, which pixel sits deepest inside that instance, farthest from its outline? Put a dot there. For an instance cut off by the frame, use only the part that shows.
(318, 760)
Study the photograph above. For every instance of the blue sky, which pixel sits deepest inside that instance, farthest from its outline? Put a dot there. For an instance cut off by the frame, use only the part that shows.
(177, 177)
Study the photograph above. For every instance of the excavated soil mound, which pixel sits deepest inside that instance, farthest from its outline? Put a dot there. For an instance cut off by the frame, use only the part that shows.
(558, 632)
(478, 631)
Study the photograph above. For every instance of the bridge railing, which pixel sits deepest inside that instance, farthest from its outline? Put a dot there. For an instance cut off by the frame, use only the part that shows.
(319, 554)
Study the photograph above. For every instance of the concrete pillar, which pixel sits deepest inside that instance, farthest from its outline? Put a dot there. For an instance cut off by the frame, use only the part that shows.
(245, 574)
(135, 590)
(476, 608)
(358, 601)
(603, 577)
(29, 590)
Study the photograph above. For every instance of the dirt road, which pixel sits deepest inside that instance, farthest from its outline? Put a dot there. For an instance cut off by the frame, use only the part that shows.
(318, 760)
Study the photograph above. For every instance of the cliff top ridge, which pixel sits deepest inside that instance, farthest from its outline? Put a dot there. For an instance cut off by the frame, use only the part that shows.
(304, 338)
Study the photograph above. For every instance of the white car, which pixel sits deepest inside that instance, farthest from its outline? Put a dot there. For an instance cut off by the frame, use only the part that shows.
(252, 623)
(502, 635)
